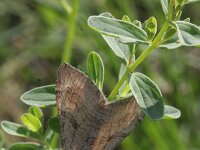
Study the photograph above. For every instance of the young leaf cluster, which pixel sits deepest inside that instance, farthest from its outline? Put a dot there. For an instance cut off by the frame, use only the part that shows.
(33, 127)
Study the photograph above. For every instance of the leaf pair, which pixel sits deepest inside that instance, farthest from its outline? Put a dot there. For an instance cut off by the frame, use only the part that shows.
(150, 99)
(19, 130)
(33, 122)
(34, 119)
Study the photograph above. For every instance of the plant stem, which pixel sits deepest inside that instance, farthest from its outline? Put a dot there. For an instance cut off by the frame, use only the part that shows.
(71, 27)
(132, 67)
(116, 88)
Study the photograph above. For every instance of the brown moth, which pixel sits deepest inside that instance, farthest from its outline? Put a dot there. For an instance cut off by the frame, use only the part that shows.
(87, 120)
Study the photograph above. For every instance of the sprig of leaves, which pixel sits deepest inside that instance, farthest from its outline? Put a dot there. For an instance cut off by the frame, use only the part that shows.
(33, 127)
(122, 35)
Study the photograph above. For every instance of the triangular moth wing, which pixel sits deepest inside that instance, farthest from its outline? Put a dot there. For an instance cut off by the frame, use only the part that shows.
(87, 120)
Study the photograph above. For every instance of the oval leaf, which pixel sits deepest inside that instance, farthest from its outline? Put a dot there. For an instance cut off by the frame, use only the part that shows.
(188, 33)
(170, 39)
(150, 27)
(171, 112)
(37, 112)
(40, 96)
(54, 124)
(18, 130)
(147, 95)
(31, 122)
(120, 49)
(26, 146)
(127, 32)
(172, 42)
(95, 69)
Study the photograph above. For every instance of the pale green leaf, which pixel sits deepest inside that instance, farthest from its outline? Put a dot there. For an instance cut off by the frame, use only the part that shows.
(172, 43)
(40, 96)
(127, 32)
(188, 33)
(32, 122)
(150, 27)
(147, 95)
(171, 112)
(95, 68)
(120, 49)
(37, 112)
(18, 130)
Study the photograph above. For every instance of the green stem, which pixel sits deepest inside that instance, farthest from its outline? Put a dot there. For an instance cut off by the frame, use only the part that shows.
(116, 88)
(71, 27)
(132, 67)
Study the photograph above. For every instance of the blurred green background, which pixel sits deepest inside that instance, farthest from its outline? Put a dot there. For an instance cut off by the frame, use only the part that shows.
(37, 35)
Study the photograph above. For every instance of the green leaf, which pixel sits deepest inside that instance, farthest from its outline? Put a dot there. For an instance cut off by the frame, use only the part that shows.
(127, 32)
(120, 49)
(54, 124)
(165, 5)
(126, 18)
(37, 112)
(172, 42)
(18, 130)
(150, 27)
(147, 95)
(55, 140)
(188, 33)
(26, 146)
(171, 112)
(32, 122)
(95, 68)
(40, 96)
